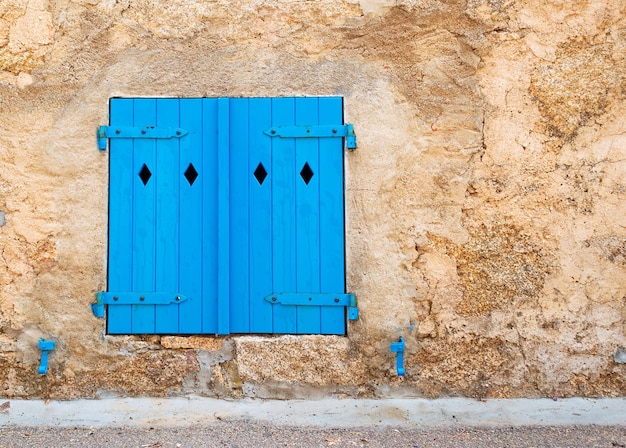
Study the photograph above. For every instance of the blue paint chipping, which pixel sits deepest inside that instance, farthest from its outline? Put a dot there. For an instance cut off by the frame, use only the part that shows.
(253, 215)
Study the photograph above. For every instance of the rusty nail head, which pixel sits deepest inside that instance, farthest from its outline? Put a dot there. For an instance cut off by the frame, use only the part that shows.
(143, 131)
(116, 298)
(117, 131)
(142, 298)
(334, 131)
(273, 131)
(273, 299)
(336, 300)
(177, 132)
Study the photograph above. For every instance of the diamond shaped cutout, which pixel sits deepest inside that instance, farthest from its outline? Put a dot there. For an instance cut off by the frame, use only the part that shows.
(260, 173)
(145, 174)
(306, 173)
(191, 174)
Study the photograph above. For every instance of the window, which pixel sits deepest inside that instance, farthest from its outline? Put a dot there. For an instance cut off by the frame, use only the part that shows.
(226, 215)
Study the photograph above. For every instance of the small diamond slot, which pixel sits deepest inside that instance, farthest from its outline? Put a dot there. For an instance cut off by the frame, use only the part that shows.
(191, 174)
(260, 173)
(145, 174)
(306, 173)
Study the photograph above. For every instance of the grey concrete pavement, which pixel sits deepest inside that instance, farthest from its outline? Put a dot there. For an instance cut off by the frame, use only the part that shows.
(326, 413)
(252, 435)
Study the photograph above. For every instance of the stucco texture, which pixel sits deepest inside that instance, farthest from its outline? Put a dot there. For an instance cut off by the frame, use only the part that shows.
(485, 204)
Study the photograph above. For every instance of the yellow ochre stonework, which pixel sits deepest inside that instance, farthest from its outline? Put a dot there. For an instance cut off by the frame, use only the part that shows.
(485, 204)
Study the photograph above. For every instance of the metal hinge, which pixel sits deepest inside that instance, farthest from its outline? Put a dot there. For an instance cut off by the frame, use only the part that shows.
(105, 132)
(317, 131)
(316, 299)
(134, 298)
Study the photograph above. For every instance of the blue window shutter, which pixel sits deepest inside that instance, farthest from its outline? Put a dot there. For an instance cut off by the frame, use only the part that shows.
(260, 213)
(193, 242)
(223, 216)
(121, 189)
(283, 207)
(143, 230)
(332, 246)
(226, 215)
(167, 212)
(241, 181)
(208, 217)
(307, 216)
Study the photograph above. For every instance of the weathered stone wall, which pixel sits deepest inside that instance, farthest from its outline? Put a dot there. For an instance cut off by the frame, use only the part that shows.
(486, 204)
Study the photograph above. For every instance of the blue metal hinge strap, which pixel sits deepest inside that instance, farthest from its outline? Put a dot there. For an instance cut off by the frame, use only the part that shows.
(398, 349)
(134, 298)
(45, 347)
(105, 132)
(316, 299)
(315, 131)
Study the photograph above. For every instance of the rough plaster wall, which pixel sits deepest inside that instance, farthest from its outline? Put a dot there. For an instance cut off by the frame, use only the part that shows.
(485, 204)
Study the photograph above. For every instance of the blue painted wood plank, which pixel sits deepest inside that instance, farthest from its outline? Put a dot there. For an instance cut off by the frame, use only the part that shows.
(167, 215)
(190, 266)
(283, 214)
(223, 216)
(209, 216)
(307, 217)
(260, 200)
(144, 201)
(332, 216)
(239, 221)
(121, 178)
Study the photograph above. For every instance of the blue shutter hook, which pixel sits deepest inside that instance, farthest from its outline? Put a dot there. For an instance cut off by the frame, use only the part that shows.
(398, 349)
(45, 347)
